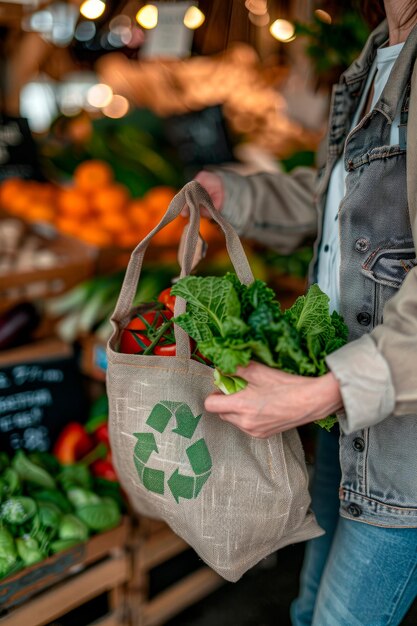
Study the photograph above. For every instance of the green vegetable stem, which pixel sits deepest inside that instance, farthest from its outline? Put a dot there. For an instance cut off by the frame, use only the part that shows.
(233, 324)
(31, 472)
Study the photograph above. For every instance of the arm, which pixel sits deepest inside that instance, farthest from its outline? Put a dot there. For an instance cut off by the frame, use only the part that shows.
(276, 209)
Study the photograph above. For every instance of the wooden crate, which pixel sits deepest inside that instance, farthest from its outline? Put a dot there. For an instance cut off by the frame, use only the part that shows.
(42, 593)
(155, 544)
(76, 261)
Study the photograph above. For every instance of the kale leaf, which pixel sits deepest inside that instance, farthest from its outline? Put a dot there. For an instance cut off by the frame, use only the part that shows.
(233, 324)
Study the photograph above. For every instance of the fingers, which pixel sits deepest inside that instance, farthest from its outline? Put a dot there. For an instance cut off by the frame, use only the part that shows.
(258, 374)
(219, 403)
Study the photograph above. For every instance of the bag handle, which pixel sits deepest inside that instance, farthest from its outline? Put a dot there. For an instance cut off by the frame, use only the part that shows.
(192, 195)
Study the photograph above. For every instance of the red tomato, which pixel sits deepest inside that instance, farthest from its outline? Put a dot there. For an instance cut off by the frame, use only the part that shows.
(167, 349)
(166, 298)
(103, 469)
(133, 342)
(199, 357)
(141, 330)
(150, 320)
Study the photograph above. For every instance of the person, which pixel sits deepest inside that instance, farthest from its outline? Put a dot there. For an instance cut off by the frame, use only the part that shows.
(363, 572)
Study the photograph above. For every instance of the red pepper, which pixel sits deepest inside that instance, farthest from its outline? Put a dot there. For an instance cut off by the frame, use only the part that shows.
(102, 468)
(72, 444)
(167, 299)
(101, 434)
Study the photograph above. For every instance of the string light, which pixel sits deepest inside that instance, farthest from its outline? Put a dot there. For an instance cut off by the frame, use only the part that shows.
(117, 107)
(194, 18)
(99, 95)
(92, 9)
(282, 30)
(147, 16)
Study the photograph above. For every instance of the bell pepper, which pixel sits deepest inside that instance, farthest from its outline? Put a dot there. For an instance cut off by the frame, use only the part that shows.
(103, 468)
(72, 444)
(101, 434)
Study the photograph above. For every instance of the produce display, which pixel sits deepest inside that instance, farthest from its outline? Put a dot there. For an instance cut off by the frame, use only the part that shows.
(233, 323)
(86, 308)
(47, 507)
(89, 443)
(95, 208)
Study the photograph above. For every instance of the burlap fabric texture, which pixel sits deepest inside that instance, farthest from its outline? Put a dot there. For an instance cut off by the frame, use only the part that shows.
(233, 498)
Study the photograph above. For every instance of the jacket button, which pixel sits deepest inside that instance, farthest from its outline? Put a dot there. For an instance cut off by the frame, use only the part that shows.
(362, 244)
(358, 444)
(364, 318)
(354, 510)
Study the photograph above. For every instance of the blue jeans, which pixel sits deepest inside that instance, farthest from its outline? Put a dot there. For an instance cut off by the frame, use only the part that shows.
(356, 574)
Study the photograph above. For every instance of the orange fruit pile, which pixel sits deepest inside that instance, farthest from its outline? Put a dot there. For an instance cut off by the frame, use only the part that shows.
(96, 208)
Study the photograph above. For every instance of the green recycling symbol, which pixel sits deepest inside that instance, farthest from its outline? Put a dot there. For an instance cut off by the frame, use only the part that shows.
(180, 485)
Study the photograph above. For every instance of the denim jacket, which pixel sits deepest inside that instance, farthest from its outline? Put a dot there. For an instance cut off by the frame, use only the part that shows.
(377, 369)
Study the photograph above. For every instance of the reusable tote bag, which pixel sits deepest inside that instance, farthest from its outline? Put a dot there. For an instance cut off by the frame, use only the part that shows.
(232, 497)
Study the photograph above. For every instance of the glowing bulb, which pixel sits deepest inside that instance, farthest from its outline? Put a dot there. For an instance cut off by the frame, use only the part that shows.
(323, 16)
(193, 18)
(117, 107)
(92, 9)
(147, 16)
(282, 30)
(99, 95)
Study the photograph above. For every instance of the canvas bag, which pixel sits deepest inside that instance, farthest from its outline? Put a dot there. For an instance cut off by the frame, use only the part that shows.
(234, 498)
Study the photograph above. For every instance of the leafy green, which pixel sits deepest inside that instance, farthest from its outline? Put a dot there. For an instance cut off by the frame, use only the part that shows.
(39, 515)
(233, 324)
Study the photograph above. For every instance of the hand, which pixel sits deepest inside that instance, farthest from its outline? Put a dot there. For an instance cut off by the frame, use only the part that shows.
(275, 401)
(213, 184)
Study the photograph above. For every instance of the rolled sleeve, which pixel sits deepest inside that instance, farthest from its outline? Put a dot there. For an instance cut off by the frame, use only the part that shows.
(365, 383)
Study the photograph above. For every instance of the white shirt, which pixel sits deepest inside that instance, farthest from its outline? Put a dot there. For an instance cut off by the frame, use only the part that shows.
(329, 253)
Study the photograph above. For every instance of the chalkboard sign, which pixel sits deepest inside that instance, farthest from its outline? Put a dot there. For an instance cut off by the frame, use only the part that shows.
(18, 155)
(38, 396)
(200, 137)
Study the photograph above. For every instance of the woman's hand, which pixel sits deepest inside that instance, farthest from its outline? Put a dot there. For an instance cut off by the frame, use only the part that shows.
(213, 184)
(275, 401)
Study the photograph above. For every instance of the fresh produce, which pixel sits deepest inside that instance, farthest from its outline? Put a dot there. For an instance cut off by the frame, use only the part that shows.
(167, 299)
(147, 331)
(41, 514)
(151, 332)
(94, 207)
(87, 307)
(233, 324)
(72, 444)
(17, 325)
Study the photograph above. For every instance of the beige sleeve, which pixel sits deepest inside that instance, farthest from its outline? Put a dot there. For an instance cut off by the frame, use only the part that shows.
(378, 372)
(275, 209)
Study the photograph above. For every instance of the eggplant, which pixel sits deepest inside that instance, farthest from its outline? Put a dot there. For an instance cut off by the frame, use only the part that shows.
(17, 324)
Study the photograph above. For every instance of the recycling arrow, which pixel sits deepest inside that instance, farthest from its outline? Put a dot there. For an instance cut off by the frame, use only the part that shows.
(144, 447)
(186, 422)
(180, 485)
(152, 479)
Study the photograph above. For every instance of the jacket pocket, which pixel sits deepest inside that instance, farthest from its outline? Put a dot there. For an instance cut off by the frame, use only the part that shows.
(387, 268)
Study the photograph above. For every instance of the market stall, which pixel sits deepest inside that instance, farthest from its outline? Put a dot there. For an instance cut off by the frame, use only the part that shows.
(104, 117)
